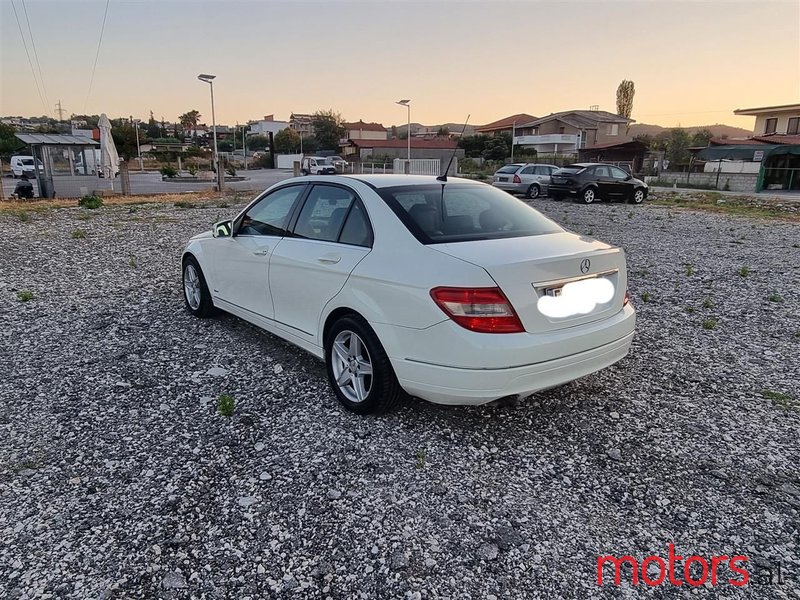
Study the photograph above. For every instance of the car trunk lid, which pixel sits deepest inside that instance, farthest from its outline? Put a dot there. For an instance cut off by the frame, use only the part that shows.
(529, 268)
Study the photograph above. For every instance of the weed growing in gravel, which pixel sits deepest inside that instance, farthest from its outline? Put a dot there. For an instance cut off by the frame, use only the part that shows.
(79, 234)
(84, 217)
(184, 204)
(773, 297)
(91, 202)
(690, 309)
(797, 334)
(707, 303)
(744, 271)
(630, 214)
(646, 297)
(689, 270)
(223, 205)
(225, 405)
(421, 458)
(709, 324)
(779, 399)
(589, 232)
(23, 216)
(24, 295)
(132, 263)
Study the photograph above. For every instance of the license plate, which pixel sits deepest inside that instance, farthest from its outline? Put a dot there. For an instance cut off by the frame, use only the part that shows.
(502, 179)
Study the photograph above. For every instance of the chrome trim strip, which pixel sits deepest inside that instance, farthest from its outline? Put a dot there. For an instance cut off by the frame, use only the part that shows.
(561, 282)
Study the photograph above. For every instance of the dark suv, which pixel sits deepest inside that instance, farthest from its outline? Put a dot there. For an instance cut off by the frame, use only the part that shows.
(588, 182)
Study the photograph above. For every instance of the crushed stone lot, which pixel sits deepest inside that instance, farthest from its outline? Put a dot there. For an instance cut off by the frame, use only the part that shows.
(119, 478)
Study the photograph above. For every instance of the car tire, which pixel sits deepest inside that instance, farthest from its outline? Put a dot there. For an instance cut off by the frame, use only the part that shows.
(638, 196)
(588, 195)
(534, 191)
(351, 348)
(195, 290)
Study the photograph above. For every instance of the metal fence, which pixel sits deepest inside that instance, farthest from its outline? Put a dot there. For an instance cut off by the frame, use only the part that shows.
(418, 166)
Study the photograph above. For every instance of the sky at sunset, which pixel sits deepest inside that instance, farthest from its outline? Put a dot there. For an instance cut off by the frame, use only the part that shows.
(693, 63)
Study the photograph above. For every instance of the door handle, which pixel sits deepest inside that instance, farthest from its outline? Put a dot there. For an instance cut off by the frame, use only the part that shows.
(262, 252)
(329, 259)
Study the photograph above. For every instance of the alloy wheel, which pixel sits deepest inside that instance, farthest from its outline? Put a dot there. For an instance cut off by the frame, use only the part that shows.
(352, 366)
(191, 286)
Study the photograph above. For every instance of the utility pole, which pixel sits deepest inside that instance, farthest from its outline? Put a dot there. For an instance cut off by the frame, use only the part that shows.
(60, 111)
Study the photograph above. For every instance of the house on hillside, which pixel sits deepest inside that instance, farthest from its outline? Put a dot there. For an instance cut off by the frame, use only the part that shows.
(266, 126)
(511, 125)
(359, 130)
(364, 150)
(302, 123)
(567, 131)
(783, 120)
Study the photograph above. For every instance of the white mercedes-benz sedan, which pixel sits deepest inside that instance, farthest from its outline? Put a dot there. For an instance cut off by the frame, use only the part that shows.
(451, 291)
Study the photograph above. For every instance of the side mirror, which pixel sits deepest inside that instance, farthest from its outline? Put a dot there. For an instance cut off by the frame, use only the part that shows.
(628, 177)
(223, 229)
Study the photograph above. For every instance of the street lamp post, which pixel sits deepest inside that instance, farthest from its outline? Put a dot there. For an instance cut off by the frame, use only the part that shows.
(407, 104)
(138, 147)
(209, 79)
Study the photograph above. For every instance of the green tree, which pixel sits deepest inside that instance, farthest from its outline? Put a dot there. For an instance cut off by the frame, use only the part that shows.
(153, 131)
(124, 136)
(190, 119)
(310, 145)
(473, 145)
(625, 93)
(8, 141)
(287, 141)
(702, 137)
(497, 148)
(677, 146)
(260, 142)
(328, 129)
(443, 132)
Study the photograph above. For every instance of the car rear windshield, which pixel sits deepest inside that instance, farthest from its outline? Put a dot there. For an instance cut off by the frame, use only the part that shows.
(569, 170)
(509, 169)
(452, 212)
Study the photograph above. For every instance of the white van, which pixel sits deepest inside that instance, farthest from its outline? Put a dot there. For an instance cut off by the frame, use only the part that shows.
(316, 165)
(24, 165)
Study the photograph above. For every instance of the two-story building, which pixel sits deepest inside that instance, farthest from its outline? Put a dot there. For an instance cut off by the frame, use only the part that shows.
(302, 123)
(568, 131)
(359, 130)
(512, 125)
(266, 126)
(783, 120)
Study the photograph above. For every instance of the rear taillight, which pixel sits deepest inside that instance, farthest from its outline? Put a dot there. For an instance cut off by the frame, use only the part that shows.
(517, 179)
(484, 310)
(627, 298)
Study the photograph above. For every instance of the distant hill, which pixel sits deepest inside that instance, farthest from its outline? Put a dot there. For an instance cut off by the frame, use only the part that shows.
(717, 129)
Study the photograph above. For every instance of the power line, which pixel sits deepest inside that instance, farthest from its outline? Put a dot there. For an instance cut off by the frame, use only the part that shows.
(96, 56)
(35, 53)
(30, 62)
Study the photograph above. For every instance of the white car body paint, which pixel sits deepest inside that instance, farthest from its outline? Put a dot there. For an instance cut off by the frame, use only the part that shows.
(292, 294)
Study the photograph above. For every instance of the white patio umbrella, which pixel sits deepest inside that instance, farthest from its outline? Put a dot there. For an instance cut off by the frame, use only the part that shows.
(109, 159)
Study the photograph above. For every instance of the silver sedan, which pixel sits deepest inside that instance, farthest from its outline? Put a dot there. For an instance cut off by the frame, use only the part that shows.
(530, 179)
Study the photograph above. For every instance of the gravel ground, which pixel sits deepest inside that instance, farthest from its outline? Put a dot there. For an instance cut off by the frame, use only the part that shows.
(119, 479)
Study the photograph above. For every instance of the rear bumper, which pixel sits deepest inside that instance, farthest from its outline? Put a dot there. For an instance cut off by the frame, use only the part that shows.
(447, 364)
(507, 186)
(446, 385)
(562, 190)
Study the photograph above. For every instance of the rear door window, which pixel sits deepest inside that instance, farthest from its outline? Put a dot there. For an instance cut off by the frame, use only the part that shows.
(324, 213)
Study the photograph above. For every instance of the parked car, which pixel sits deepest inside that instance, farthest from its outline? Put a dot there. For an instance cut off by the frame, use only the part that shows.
(589, 182)
(23, 165)
(316, 165)
(338, 163)
(530, 179)
(452, 292)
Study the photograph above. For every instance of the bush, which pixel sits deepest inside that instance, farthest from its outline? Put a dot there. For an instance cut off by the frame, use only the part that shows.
(230, 169)
(169, 171)
(90, 202)
(192, 168)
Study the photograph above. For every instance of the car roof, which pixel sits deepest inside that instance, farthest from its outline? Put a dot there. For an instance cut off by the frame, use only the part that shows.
(392, 180)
